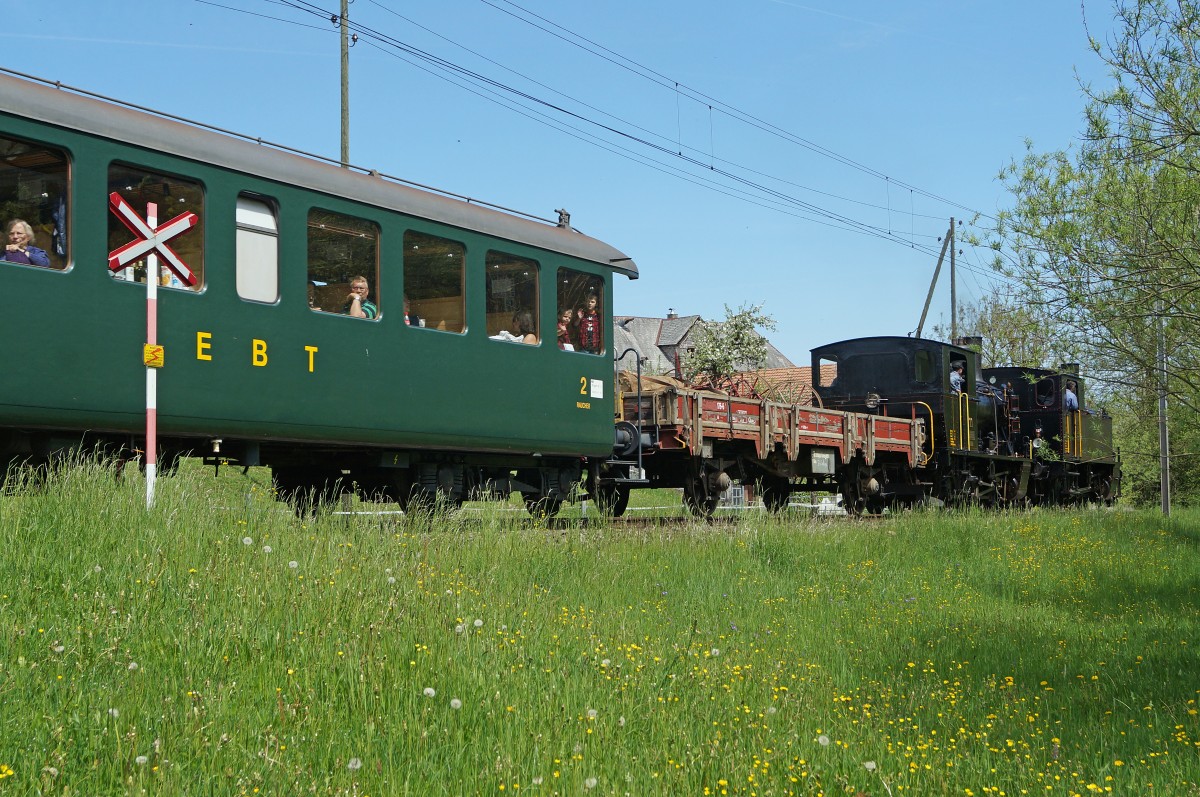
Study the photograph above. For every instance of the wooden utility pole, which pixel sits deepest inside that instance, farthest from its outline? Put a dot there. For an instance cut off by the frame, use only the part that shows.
(345, 24)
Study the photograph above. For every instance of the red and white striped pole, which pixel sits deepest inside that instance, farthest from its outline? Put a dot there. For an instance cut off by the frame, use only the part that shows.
(152, 277)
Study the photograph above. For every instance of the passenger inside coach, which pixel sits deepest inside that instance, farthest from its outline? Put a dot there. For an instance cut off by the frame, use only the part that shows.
(357, 303)
(523, 323)
(19, 246)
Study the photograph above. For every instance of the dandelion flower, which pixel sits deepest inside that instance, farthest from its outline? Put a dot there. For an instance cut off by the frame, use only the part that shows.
(869, 766)
(605, 662)
(455, 703)
(247, 541)
(354, 765)
(823, 740)
(590, 783)
(293, 564)
(478, 623)
(141, 760)
(267, 549)
(430, 691)
(7, 772)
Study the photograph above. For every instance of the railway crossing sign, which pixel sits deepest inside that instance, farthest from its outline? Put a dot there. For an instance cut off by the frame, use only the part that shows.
(150, 238)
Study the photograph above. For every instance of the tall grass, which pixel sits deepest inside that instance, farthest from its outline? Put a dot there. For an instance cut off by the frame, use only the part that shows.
(217, 645)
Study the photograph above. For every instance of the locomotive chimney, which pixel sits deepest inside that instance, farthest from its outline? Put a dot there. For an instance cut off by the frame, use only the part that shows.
(1071, 369)
(974, 344)
(671, 314)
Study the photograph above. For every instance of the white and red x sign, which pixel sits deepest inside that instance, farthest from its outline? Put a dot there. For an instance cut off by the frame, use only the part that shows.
(149, 239)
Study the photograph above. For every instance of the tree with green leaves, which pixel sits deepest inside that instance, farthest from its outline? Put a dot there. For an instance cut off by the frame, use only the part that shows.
(722, 348)
(1104, 237)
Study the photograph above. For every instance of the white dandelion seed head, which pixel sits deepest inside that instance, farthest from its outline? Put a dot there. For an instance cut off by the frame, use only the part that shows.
(450, 593)
(387, 571)
(430, 691)
(354, 765)
(592, 713)
(247, 540)
(823, 740)
(112, 712)
(293, 564)
(590, 783)
(478, 623)
(391, 579)
(98, 568)
(771, 709)
(715, 651)
(267, 549)
(458, 629)
(59, 648)
(455, 703)
(133, 665)
(869, 766)
(51, 771)
(141, 760)
(605, 662)
(537, 780)
(621, 721)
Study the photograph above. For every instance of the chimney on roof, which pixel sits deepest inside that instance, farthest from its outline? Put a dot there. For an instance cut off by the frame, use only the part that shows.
(671, 313)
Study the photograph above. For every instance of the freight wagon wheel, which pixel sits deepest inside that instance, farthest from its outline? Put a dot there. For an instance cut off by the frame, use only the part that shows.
(852, 498)
(775, 494)
(612, 500)
(697, 502)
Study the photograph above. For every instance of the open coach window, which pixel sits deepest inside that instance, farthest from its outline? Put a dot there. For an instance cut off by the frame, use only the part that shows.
(343, 263)
(433, 281)
(582, 295)
(33, 197)
(512, 297)
(130, 193)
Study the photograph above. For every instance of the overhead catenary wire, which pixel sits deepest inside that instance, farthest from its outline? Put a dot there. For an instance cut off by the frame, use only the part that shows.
(490, 84)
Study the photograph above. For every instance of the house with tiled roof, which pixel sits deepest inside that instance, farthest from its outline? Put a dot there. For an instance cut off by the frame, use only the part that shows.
(664, 343)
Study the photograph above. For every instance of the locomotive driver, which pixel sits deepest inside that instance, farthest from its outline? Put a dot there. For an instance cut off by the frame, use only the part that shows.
(357, 303)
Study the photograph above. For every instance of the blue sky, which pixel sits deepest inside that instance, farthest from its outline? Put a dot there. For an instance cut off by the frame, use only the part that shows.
(891, 116)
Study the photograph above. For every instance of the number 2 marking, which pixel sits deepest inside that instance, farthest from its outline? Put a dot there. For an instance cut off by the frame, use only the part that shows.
(583, 385)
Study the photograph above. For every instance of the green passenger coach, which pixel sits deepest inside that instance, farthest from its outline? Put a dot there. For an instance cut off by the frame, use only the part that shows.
(344, 329)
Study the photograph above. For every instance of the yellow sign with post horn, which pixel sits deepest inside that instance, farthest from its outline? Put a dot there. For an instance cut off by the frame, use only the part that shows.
(153, 355)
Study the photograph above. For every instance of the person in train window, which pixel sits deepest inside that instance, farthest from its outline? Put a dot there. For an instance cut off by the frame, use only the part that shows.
(1070, 400)
(956, 377)
(523, 322)
(587, 326)
(564, 330)
(357, 303)
(19, 246)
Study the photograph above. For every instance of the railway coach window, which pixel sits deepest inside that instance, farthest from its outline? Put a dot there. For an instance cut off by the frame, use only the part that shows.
(512, 289)
(257, 249)
(179, 204)
(582, 294)
(343, 251)
(33, 189)
(433, 280)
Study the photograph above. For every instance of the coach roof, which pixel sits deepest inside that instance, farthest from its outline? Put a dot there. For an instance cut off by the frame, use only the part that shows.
(25, 98)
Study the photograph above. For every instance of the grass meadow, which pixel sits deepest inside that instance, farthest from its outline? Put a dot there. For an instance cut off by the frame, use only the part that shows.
(217, 645)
